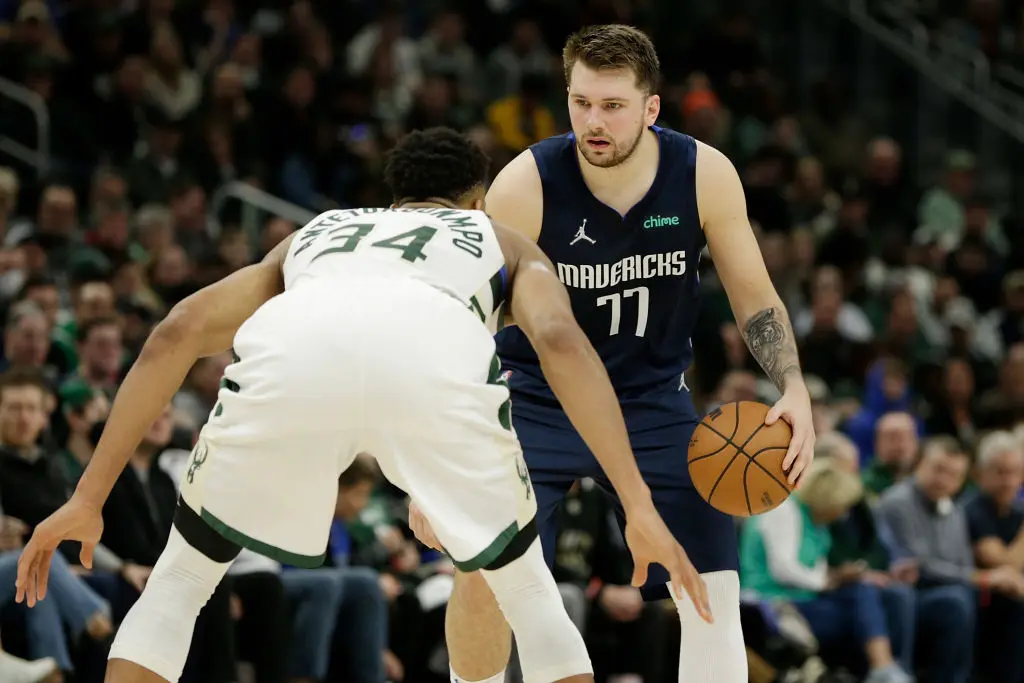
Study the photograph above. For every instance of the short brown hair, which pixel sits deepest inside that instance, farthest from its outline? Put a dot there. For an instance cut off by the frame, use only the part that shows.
(19, 377)
(614, 46)
(946, 445)
(362, 469)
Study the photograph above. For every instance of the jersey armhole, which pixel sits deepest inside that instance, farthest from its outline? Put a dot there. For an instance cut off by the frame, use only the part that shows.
(693, 158)
(541, 168)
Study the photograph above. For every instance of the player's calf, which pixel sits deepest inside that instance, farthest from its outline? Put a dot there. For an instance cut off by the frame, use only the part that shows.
(478, 637)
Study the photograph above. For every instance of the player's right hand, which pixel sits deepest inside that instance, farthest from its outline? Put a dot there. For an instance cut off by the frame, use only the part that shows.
(76, 520)
(421, 528)
(649, 540)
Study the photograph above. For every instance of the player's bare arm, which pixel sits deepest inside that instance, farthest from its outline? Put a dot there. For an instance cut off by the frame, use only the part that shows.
(760, 313)
(515, 198)
(578, 378)
(201, 325)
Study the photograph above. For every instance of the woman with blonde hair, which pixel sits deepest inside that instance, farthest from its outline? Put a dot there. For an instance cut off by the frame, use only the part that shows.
(784, 556)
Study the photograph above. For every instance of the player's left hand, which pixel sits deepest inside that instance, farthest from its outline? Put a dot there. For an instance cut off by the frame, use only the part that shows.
(795, 408)
(76, 520)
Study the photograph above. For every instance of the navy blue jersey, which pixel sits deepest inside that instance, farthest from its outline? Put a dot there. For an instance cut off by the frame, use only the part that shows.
(632, 279)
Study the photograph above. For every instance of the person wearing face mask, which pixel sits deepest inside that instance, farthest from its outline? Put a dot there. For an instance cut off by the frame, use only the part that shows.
(83, 408)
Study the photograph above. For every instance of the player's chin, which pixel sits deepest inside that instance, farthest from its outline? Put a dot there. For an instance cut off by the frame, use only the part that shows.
(604, 158)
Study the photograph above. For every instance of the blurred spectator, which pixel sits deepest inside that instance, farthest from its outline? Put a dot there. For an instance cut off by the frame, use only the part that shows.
(592, 568)
(996, 525)
(136, 524)
(933, 529)
(902, 276)
(523, 52)
(522, 119)
(784, 555)
(361, 632)
(894, 453)
(861, 538)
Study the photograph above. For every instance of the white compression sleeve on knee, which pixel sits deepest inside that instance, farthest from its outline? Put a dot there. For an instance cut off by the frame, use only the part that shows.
(496, 678)
(157, 632)
(550, 646)
(713, 653)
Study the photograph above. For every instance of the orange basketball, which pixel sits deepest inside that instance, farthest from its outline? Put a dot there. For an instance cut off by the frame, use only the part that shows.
(735, 459)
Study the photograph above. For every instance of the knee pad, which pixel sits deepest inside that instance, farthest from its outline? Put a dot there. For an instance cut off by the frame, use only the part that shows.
(550, 646)
(713, 653)
(157, 632)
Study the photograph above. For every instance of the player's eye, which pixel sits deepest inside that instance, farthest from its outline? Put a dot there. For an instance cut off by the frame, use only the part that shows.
(582, 103)
(612, 105)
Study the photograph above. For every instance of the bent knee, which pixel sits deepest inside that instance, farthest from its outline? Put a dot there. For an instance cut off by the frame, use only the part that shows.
(954, 601)
(472, 593)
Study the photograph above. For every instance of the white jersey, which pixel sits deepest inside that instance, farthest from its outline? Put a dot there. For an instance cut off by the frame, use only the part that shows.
(453, 250)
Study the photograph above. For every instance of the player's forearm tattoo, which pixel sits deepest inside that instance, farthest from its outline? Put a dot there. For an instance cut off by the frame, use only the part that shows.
(770, 339)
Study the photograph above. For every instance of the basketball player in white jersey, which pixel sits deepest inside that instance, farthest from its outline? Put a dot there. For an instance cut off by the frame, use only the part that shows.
(370, 330)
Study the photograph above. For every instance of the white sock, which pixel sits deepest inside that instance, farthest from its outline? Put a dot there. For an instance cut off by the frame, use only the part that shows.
(713, 653)
(496, 678)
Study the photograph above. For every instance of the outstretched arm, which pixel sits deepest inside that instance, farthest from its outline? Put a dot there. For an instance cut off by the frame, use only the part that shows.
(201, 325)
(578, 378)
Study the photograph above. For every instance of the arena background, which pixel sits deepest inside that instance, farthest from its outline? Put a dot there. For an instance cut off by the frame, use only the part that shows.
(149, 147)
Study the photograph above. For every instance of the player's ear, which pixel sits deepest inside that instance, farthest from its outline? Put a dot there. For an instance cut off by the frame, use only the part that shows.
(653, 109)
(477, 204)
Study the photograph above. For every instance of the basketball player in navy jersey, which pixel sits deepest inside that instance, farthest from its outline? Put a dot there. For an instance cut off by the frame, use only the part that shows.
(623, 208)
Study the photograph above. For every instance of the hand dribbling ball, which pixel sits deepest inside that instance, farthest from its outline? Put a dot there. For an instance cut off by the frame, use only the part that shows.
(735, 459)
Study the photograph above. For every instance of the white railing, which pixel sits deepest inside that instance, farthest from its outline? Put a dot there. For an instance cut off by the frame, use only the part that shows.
(995, 105)
(254, 201)
(38, 158)
(987, 79)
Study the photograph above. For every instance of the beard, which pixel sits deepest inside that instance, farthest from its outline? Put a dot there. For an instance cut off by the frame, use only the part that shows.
(614, 155)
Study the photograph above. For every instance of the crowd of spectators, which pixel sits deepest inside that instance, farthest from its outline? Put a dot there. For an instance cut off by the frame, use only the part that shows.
(907, 299)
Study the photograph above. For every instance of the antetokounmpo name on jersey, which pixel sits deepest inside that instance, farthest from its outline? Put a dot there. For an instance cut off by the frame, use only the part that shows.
(635, 267)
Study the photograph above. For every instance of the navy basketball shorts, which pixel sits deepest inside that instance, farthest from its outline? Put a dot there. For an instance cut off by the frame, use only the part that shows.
(556, 457)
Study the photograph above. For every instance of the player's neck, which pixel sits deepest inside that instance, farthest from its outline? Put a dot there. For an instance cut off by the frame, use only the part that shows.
(429, 203)
(623, 175)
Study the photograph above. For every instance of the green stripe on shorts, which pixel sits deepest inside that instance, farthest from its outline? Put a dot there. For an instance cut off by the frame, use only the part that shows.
(490, 553)
(273, 552)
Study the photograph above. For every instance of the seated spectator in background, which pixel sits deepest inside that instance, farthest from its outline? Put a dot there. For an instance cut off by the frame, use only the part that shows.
(27, 341)
(996, 524)
(859, 538)
(72, 605)
(360, 646)
(896, 446)
(956, 412)
(886, 390)
(592, 568)
(101, 354)
(193, 403)
(1003, 406)
(784, 555)
(287, 617)
(83, 407)
(136, 525)
(926, 522)
(522, 119)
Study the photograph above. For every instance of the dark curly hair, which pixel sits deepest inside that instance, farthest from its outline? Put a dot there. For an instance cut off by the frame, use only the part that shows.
(436, 162)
